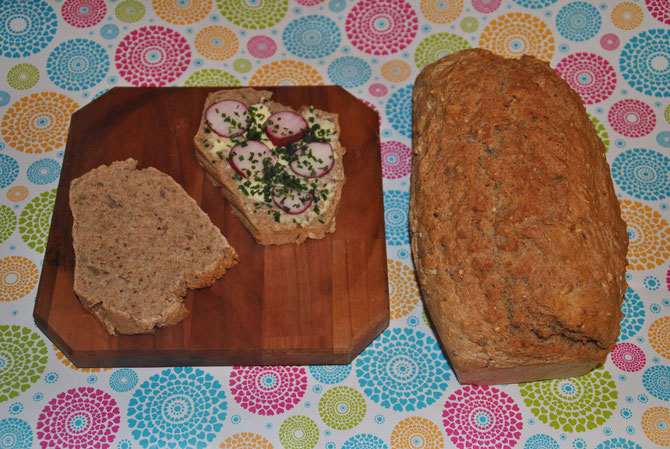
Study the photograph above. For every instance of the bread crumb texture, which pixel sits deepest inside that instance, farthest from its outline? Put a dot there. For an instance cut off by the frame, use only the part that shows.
(516, 231)
(140, 242)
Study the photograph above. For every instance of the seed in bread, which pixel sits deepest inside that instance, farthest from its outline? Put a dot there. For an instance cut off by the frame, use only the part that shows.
(516, 232)
(140, 242)
(281, 170)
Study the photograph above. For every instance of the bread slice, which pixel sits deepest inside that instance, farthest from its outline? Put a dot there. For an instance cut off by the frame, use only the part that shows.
(140, 241)
(267, 223)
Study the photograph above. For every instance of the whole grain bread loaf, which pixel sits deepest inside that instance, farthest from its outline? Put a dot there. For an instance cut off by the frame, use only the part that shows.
(516, 232)
(140, 242)
(266, 224)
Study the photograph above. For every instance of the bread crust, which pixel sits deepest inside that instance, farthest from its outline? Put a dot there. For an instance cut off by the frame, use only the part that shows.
(263, 227)
(516, 232)
(97, 187)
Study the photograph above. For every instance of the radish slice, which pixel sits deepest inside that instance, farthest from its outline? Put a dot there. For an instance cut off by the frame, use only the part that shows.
(247, 158)
(313, 160)
(227, 118)
(285, 127)
(291, 200)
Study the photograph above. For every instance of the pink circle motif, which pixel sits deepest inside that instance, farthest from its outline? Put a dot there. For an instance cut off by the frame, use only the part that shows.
(632, 118)
(83, 13)
(486, 6)
(660, 9)
(268, 390)
(628, 357)
(609, 41)
(378, 90)
(480, 417)
(152, 56)
(381, 27)
(83, 417)
(396, 160)
(262, 46)
(592, 76)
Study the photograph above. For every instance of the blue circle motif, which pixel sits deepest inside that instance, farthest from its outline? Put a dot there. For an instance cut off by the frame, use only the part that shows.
(535, 4)
(125, 443)
(399, 110)
(349, 71)
(51, 378)
(312, 36)
(26, 27)
(403, 370)
(656, 380)
(15, 433)
(642, 173)
(578, 21)
(541, 441)
(633, 310)
(618, 443)
(645, 62)
(15, 408)
(330, 374)
(43, 171)
(9, 170)
(663, 139)
(364, 441)
(77, 64)
(179, 404)
(123, 380)
(337, 5)
(109, 31)
(4, 98)
(396, 220)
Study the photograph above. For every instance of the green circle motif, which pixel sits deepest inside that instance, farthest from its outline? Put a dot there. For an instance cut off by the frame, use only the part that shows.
(265, 14)
(342, 408)
(242, 65)
(469, 24)
(298, 432)
(437, 46)
(7, 222)
(35, 220)
(601, 131)
(23, 357)
(23, 76)
(572, 405)
(130, 11)
(667, 113)
(212, 77)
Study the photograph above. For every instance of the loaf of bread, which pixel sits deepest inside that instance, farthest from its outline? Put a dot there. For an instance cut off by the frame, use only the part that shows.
(314, 199)
(516, 232)
(140, 241)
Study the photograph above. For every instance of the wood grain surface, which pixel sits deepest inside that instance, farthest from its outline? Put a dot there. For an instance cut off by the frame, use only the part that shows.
(320, 302)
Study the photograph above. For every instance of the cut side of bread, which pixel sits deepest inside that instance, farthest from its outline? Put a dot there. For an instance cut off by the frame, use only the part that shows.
(140, 241)
(272, 213)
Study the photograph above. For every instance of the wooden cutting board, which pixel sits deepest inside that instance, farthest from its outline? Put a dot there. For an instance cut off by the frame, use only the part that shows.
(320, 302)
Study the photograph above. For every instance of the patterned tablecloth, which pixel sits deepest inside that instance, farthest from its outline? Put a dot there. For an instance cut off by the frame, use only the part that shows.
(56, 56)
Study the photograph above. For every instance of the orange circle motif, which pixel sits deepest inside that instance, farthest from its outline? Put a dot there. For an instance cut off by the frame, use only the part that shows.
(246, 440)
(403, 289)
(396, 70)
(18, 276)
(180, 12)
(441, 11)
(656, 425)
(17, 193)
(416, 433)
(65, 361)
(627, 16)
(286, 72)
(515, 34)
(659, 336)
(217, 43)
(38, 123)
(649, 236)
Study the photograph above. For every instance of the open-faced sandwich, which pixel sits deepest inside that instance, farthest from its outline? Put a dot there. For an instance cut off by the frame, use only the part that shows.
(280, 169)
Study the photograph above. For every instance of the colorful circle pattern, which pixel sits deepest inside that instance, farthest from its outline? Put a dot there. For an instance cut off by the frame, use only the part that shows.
(628, 357)
(381, 27)
(645, 62)
(15, 433)
(486, 6)
(9, 170)
(416, 432)
(130, 11)
(261, 46)
(364, 441)
(286, 73)
(299, 432)
(541, 441)
(396, 70)
(27, 27)
(403, 289)
(23, 76)
(578, 21)
(648, 233)
(396, 207)
(7, 222)
(122, 380)
(396, 159)
(255, 15)
(516, 33)
(399, 110)
(77, 418)
(177, 405)
(23, 357)
(349, 71)
(642, 173)
(656, 381)
(591, 75)
(330, 374)
(77, 64)
(312, 36)
(627, 16)
(216, 42)
(403, 370)
(35, 220)
(656, 425)
(634, 315)
(479, 417)
(18, 277)
(660, 9)
(43, 171)
(437, 46)
(441, 11)
(246, 440)
(83, 13)
(179, 12)
(632, 118)
(342, 408)
(211, 77)
(618, 443)
(268, 390)
(659, 336)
